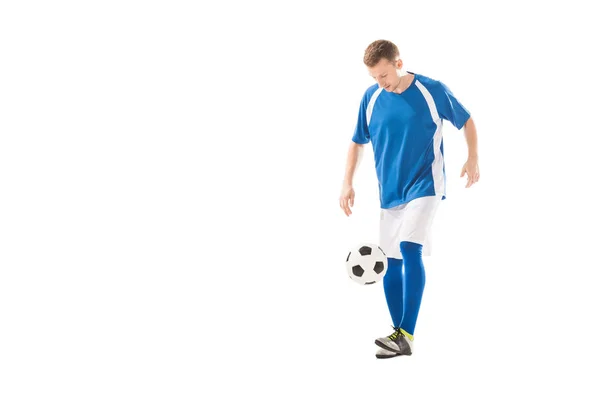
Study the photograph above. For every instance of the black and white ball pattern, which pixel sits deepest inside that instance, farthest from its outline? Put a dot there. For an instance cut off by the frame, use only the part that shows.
(366, 264)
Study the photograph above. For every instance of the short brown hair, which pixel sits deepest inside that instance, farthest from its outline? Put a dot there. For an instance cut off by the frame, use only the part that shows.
(378, 50)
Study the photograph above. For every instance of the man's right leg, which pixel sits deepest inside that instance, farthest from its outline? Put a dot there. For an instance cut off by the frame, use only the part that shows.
(393, 284)
(394, 290)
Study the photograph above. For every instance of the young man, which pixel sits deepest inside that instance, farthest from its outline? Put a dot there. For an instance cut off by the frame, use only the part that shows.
(402, 116)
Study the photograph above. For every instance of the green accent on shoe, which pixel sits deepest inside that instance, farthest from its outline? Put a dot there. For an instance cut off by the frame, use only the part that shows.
(394, 336)
(408, 335)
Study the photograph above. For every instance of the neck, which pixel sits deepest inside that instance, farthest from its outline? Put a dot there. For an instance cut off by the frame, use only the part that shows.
(403, 82)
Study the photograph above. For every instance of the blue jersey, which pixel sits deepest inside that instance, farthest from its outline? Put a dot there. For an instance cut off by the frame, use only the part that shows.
(406, 133)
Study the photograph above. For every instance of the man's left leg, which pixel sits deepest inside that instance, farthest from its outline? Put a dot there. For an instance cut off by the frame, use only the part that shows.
(416, 220)
(414, 286)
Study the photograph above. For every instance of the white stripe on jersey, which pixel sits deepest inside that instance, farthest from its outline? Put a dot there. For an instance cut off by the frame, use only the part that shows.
(438, 163)
(372, 104)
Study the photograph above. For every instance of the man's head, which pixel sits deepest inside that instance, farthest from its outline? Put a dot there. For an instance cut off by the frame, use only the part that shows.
(382, 59)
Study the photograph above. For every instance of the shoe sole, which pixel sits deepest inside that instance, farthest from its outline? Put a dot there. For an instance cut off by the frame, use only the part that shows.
(383, 346)
(387, 355)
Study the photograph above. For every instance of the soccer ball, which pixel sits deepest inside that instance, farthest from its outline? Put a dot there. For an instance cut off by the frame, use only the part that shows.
(366, 264)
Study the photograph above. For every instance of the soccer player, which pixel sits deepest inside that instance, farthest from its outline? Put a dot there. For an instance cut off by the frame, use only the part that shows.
(402, 117)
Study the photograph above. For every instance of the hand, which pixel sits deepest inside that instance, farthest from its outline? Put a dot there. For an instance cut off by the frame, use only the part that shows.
(471, 168)
(347, 199)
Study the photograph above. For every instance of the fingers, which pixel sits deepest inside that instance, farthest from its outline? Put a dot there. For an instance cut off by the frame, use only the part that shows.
(344, 206)
(472, 178)
(462, 173)
(475, 176)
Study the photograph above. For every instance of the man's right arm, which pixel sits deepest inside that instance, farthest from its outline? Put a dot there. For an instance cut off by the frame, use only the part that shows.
(355, 153)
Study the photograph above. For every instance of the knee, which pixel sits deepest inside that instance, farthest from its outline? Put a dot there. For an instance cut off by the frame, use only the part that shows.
(410, 249)
(394, 262)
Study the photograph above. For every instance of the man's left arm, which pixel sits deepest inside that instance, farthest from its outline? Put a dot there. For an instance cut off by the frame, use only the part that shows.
(471, 167)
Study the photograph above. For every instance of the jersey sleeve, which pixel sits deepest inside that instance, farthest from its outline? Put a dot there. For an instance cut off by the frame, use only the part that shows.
(449, 108)
(361, 131)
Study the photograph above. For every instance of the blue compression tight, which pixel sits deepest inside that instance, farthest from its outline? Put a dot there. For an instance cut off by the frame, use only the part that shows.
(403, 285)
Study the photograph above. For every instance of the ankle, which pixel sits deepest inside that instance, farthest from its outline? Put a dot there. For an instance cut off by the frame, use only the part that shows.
(409, 336)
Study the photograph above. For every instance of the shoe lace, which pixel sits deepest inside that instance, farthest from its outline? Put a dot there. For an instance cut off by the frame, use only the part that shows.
(396, 333)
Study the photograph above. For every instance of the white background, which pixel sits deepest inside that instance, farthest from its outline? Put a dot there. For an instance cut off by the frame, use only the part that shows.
(169, 219)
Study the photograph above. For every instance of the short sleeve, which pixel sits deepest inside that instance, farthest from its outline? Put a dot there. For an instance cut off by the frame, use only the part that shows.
(361, 132)
(449, 108)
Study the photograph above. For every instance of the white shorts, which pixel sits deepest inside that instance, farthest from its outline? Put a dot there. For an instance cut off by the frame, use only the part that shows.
(409, 222)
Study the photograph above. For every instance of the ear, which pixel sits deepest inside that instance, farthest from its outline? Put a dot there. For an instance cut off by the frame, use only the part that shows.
(399, 64)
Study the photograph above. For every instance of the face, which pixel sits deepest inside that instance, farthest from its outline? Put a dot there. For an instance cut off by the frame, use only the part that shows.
(386, 73)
